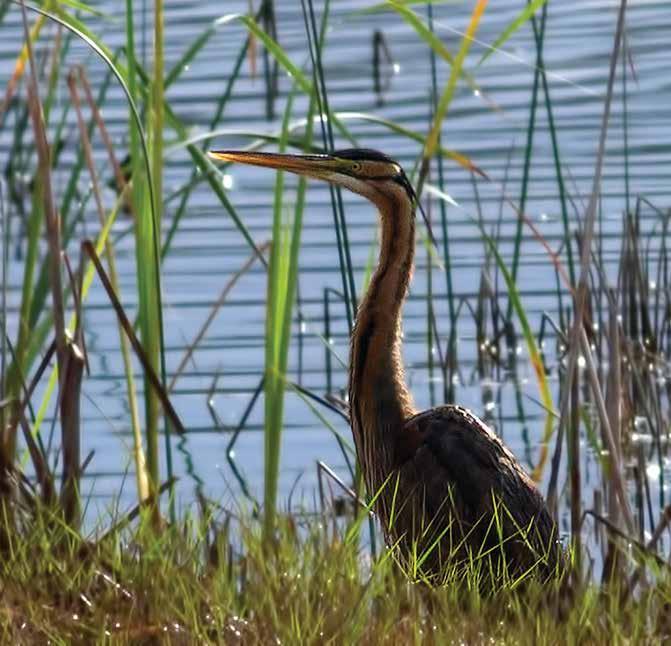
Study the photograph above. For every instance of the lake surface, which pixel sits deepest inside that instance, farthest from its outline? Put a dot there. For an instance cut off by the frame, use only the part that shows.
(208, 250)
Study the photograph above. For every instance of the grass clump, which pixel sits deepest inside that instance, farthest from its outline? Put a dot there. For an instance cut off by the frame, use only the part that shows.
(201, 582)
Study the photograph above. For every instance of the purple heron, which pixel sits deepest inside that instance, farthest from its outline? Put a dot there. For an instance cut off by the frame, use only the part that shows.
(444, 486)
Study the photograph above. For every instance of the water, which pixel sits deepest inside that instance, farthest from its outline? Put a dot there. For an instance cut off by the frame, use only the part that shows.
(208, 250)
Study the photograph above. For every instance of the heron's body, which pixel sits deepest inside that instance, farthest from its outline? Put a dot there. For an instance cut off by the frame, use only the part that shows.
(446, 489)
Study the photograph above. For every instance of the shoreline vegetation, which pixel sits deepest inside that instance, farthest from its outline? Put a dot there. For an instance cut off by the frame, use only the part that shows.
(202, 581)
(163, 574)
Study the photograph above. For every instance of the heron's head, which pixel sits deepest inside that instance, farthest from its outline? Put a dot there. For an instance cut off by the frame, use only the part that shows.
(367, 172)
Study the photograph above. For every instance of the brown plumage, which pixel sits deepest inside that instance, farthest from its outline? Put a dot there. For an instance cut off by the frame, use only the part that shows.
(445, 488)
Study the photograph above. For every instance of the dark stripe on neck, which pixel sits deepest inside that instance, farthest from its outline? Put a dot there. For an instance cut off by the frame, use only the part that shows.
(362, 349)
(358, 361)
(405, 269)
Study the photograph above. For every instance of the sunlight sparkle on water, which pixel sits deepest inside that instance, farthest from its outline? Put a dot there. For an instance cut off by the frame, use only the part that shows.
(653, 471)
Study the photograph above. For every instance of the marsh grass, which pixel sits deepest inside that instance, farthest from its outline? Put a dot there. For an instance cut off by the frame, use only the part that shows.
(203, 581)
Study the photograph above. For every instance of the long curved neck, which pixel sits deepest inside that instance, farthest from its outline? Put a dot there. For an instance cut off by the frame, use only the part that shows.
(379, 398)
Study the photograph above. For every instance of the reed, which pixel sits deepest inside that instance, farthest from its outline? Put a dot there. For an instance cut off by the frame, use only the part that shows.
(281, 291)
(146, 196)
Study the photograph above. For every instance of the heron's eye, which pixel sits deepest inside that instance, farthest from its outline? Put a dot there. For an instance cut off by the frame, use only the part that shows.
(356, 167)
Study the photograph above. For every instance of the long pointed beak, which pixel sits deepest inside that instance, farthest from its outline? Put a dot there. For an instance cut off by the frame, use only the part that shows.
(317, 166)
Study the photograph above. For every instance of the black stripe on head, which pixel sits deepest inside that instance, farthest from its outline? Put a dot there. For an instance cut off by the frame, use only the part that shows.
(364, 154)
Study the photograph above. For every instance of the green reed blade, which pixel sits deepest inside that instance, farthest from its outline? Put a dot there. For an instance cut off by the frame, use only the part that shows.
(556, 156)
(532, 348)
(282, 278)
(294, 72)
(427, 34)
(448, 384)
(531, 129)
(446, 98)
(192, 51)
(195, 179)
(526, 14)
(77, 5)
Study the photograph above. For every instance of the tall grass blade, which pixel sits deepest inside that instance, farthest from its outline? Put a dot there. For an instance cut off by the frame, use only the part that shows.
(294, 71)
(524, 15)
(140, 460)
(69, 364)
(568, 241)
(531, 129)
(74, 319)
(448, 93)
(152, 376)
(448, 364)
(316, 39)
(532, 348)
(20, 65)
(427, 34)
(282, 281)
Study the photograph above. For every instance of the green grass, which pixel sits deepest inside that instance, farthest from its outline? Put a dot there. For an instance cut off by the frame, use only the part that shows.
(281, 291)
(200, 581)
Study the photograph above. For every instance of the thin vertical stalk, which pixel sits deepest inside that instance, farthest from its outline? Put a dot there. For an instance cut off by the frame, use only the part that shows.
(448, 385)
(270, 67)
(282, 278)
(146, 279)
(158, 96)
(625, 122)
(430, 317)
(157, 110)
(31, 293)
(69, 359)
(555, 142)
(573, 437)
(316, 43)
(49, 210)
(4, 222)
(531, 128)
(67, 222)
(140, 464)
